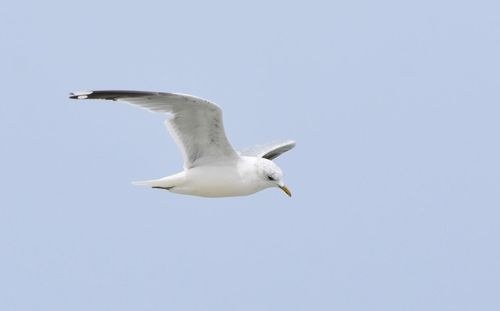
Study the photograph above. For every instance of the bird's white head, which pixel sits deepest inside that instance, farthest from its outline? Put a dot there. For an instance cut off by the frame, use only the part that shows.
(271, 175)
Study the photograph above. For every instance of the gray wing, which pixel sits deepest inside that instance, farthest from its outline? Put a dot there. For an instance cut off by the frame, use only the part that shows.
(196, 124)
(269, 151)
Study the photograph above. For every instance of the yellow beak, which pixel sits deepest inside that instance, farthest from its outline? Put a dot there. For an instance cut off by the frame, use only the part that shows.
(285, 189)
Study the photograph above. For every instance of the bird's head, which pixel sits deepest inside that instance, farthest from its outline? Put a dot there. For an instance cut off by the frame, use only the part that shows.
(271, 175)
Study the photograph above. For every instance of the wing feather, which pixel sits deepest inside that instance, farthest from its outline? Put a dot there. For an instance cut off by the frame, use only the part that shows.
(269, 151)
(196, 123)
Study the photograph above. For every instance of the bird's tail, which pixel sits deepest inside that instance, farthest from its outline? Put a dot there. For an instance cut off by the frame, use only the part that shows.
(165, 182)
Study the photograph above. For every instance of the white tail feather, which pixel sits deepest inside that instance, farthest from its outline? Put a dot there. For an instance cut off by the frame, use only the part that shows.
(165, 182)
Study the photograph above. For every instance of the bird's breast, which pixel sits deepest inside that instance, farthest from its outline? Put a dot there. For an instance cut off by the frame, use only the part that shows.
(218, 181)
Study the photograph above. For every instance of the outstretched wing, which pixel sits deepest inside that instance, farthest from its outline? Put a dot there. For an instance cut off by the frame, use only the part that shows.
(196, 124)
(269, 151)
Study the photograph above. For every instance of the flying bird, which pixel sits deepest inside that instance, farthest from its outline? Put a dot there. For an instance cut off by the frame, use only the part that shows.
(212, 167)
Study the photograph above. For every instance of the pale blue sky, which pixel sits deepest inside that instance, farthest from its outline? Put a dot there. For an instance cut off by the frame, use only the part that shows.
(395, 109)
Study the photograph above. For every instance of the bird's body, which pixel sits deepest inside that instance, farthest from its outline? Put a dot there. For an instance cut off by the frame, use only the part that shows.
(212, 168)
(215, 180)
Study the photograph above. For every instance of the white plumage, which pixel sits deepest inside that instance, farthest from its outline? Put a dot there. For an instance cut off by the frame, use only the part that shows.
(212, 168)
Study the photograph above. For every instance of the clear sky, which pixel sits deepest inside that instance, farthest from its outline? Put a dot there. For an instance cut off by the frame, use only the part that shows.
(395, 109)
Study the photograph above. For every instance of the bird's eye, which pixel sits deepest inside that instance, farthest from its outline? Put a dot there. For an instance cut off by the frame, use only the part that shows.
(270, 178)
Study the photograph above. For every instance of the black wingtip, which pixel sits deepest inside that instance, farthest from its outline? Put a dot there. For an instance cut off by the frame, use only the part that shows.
(79, 95)
(110, 95)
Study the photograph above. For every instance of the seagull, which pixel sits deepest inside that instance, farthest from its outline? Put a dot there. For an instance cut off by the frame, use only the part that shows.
(212, 167)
